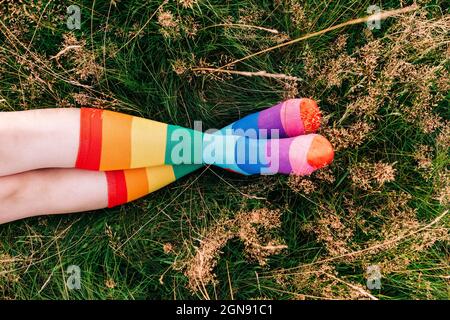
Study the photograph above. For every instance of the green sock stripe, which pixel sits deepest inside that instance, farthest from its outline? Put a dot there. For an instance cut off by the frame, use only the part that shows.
(183, 146)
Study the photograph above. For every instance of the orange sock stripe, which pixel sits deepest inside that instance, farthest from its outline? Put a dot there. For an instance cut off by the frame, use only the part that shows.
(117, 188)
(137, 183)
(116, 144)
(89, 152)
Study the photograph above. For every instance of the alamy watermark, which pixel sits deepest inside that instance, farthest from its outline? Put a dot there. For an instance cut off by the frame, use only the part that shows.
(73, 21)
(374, 21)
(226, 147)
(373, 273)
(73, 282)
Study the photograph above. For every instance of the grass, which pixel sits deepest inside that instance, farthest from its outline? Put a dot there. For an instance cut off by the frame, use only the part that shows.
(132, 56)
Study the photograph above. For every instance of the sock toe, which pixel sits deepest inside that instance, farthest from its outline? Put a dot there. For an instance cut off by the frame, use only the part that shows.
(320, 153)
(300, 116)
(310, 114)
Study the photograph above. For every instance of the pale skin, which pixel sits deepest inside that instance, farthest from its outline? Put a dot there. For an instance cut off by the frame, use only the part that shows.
(38, 151)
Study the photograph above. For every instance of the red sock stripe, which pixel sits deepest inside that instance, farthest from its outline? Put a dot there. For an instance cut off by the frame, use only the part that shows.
(117, 188)
(89, 152)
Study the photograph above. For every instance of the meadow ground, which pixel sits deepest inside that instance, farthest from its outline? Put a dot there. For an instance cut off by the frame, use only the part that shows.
(379, 208)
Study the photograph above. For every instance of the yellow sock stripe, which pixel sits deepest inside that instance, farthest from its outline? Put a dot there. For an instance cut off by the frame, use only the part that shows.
(148, 143)
(159, 177)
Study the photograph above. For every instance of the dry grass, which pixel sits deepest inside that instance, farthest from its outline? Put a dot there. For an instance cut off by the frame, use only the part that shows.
(252, 228)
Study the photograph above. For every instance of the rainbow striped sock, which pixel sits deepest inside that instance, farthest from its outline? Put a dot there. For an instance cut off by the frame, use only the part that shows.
(291, 118)
(305, 153)
(114, 141)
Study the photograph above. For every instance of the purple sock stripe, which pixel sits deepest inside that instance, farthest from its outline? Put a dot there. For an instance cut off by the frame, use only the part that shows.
(284, 165)
(270, 119)
(285, 116)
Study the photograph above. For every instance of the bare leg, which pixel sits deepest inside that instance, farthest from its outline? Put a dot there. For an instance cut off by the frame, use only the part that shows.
(38, 139)
(51, 191)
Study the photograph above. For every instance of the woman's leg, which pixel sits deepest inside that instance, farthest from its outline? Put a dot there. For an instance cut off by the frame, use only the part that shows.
(38, 139)
(51, 137)
(55, 191)
(105, 140)
(51, 191)
(115, 141)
